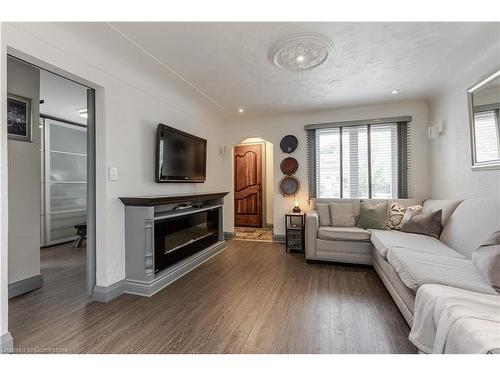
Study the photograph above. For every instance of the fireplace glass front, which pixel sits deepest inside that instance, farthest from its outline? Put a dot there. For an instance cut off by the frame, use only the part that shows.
(178, 238)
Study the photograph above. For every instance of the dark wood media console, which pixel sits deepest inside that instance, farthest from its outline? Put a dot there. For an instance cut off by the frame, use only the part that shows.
(168, 236)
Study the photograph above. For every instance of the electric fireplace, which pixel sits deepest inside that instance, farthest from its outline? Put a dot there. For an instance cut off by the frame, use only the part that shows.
(168, 236)
(177, 238)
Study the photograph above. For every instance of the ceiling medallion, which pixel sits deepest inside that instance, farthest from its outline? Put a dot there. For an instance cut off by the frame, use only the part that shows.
(301, 51)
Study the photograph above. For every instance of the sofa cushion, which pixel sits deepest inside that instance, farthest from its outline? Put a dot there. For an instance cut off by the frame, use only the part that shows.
(343, 233)
(342, 215)
(324, 213)
(383, 240)
(471, 223)
(447, 205)
(354, 201)
(416, 268)
(486, 258)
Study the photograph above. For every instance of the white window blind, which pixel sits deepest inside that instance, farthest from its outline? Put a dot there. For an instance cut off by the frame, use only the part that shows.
(487, 137)
(384, 161)
(355, 162)
(328, 160)
(358, 162)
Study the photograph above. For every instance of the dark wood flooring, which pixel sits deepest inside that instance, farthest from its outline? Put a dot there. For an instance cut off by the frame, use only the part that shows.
(251, 298)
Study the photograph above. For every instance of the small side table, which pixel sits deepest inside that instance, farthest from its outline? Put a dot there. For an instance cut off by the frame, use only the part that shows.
(295, 228)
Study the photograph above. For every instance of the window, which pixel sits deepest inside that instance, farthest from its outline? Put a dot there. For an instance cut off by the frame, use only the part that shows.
(487, 137)
(358, 161)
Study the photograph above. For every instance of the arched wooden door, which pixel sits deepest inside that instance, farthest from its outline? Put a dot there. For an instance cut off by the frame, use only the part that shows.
(248, 185)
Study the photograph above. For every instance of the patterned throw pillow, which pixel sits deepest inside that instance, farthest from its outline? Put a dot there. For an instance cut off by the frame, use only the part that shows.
(397, 215)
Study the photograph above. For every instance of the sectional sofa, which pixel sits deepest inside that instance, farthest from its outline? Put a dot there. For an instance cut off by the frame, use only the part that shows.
(405, 261)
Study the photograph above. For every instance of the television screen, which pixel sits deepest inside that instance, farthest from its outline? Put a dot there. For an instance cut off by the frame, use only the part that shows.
(180, 157)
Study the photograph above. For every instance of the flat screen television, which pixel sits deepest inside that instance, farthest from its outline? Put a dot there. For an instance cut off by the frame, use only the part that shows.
(180, 157)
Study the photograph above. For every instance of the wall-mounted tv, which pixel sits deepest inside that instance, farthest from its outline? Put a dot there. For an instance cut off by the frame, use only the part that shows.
(180, 157)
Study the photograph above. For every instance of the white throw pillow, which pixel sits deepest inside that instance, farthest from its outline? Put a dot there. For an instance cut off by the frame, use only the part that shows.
(342, 215)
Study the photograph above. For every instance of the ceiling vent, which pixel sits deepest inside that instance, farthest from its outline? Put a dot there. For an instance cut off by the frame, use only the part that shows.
(301, 51)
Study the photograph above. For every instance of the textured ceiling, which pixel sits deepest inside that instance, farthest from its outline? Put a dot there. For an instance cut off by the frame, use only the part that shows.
(228, 61)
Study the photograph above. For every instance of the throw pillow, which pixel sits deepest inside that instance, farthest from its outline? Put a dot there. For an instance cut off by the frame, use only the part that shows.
(486, 258)
(324, 214)
(373, 217)
(342, 215)
(409, 212)
(397, 214)
(428, 224)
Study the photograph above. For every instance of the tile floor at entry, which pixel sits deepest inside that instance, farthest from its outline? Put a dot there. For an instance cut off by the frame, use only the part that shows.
(253, 234)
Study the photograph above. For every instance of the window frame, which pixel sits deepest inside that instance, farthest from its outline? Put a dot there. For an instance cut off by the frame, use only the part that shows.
(475, 165)
(403, 153)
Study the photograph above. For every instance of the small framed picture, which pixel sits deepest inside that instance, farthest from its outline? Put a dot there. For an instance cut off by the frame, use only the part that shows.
(19, 118)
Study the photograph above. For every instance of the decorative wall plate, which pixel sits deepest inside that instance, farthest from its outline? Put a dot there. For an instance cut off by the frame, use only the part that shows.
(289, 185)
(289, 144)
(289, 166)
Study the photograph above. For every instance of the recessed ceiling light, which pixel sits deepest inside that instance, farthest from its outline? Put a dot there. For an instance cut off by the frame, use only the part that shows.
(301, 51)
(394, 92)
(83, 113)
(241, 110)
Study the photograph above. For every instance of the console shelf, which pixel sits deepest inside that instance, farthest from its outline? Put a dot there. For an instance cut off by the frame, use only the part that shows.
(168, 236)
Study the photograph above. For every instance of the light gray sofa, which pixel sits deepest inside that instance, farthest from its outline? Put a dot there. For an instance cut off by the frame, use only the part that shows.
(404, 261)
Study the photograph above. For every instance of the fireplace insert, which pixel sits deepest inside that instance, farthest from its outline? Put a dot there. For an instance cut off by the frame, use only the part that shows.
(180, 237)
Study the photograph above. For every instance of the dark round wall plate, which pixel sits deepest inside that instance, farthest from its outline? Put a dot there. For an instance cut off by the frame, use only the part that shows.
(289, 185)
(289, 143)
(289, 166)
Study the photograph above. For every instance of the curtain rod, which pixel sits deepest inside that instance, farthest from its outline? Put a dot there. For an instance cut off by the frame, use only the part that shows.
(358, 122)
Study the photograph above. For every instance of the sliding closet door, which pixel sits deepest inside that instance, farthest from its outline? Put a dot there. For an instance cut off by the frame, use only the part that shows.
(65, 172)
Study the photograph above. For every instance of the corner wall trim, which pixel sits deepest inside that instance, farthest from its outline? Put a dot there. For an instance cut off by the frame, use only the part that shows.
(6, 343)
(278, 238)
(107, 293)
(228, 235)
(23, 286)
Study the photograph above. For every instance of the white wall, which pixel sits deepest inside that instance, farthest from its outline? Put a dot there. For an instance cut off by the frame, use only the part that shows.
(24, 179)
(134, 93)
(450, 161)
(269, 178)
(273, 128)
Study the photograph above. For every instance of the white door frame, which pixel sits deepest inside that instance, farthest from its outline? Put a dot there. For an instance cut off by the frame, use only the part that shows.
(91, 160)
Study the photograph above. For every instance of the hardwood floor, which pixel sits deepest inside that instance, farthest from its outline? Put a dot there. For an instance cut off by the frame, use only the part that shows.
(251, 298)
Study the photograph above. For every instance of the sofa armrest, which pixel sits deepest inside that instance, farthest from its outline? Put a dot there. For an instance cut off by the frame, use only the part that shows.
(312, 225)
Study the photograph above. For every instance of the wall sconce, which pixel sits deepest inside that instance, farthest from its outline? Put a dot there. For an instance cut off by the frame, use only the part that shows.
(222, 150)
(434, 131)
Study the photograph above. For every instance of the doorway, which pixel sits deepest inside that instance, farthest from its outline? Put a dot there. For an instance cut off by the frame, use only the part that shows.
(253, 189)
(51, 239)
(248, 185)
